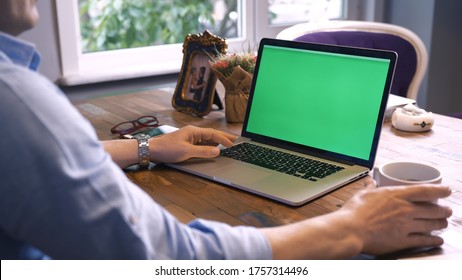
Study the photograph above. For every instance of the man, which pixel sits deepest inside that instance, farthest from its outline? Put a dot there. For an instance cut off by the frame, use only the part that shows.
(63, 194)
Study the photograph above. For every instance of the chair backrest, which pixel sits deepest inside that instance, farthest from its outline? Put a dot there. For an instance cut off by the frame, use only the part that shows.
(412, 54)
(457, 115)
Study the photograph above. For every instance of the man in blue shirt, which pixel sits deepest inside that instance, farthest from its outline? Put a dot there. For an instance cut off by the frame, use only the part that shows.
(63, 194)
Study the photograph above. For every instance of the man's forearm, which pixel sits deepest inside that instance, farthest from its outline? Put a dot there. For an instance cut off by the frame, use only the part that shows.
(123, 152)
(325, 237)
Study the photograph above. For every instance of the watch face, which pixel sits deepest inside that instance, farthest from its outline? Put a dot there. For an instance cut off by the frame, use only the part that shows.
(142, 136)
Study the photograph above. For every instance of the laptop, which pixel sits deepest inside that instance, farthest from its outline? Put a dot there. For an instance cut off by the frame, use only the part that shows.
(317, 107)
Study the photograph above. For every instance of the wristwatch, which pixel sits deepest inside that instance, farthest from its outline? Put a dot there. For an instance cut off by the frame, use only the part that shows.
(143, 150)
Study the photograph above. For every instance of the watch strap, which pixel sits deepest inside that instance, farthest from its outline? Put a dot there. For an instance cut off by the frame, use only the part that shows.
(143, 150)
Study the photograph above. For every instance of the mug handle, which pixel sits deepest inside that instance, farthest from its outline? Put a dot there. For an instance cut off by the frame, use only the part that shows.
(375, 175)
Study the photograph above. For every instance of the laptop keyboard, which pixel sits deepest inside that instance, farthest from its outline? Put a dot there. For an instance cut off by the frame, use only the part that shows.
(280, 161)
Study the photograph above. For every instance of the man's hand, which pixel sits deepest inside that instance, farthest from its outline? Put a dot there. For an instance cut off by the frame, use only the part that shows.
(395, 218)
(188, 142)
(375, 221)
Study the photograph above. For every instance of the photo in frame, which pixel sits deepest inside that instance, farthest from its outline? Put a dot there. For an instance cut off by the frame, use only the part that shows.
(195, 91)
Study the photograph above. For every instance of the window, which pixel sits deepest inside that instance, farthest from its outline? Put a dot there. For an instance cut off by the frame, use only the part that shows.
(275, 15)
(119, 39)
(119, 24)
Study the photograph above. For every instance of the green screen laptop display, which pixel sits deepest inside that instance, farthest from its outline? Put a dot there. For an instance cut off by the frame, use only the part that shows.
(328, 101)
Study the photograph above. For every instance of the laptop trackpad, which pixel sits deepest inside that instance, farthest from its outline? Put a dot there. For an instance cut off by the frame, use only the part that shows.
(237, 173)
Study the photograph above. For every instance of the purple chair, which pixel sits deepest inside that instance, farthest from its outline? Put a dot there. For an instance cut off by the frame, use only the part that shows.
(457, 115)
(412, 54)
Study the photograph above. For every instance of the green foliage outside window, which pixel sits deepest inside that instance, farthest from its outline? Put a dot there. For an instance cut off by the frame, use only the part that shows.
(118, 24)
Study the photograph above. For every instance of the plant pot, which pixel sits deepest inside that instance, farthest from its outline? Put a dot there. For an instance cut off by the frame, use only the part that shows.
(237, 88)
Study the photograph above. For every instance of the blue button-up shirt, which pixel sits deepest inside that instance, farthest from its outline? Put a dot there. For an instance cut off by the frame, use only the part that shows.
(61, 194)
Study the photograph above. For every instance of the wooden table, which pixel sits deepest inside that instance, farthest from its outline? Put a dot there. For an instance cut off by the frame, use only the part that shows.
(189, 197)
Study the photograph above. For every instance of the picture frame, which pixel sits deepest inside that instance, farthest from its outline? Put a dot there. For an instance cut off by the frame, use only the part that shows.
(195, 91)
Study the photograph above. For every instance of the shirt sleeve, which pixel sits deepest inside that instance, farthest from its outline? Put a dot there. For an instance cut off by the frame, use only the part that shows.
(62, 194)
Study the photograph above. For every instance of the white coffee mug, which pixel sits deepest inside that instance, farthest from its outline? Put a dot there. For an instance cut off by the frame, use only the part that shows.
(406, 173)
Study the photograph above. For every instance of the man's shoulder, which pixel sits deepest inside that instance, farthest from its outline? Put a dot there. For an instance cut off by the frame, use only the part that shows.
(16, 78)
(8, 68)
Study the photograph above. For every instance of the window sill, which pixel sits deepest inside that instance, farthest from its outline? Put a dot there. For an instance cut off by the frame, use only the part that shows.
(121, 73)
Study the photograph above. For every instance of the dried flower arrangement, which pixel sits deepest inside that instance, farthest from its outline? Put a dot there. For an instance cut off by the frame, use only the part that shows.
(225, 64)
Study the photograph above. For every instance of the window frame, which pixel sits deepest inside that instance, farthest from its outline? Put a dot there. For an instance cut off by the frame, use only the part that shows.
(83, 68)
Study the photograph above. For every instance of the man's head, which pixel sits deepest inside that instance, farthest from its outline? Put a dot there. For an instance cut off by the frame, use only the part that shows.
(17, 16)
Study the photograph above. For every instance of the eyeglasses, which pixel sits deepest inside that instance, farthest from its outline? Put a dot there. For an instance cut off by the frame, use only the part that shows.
(131, 126)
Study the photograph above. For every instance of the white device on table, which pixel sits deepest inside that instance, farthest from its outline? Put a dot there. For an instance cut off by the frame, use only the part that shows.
(163, 129)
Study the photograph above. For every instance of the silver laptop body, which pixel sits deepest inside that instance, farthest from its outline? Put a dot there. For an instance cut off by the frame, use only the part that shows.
(320, 102)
